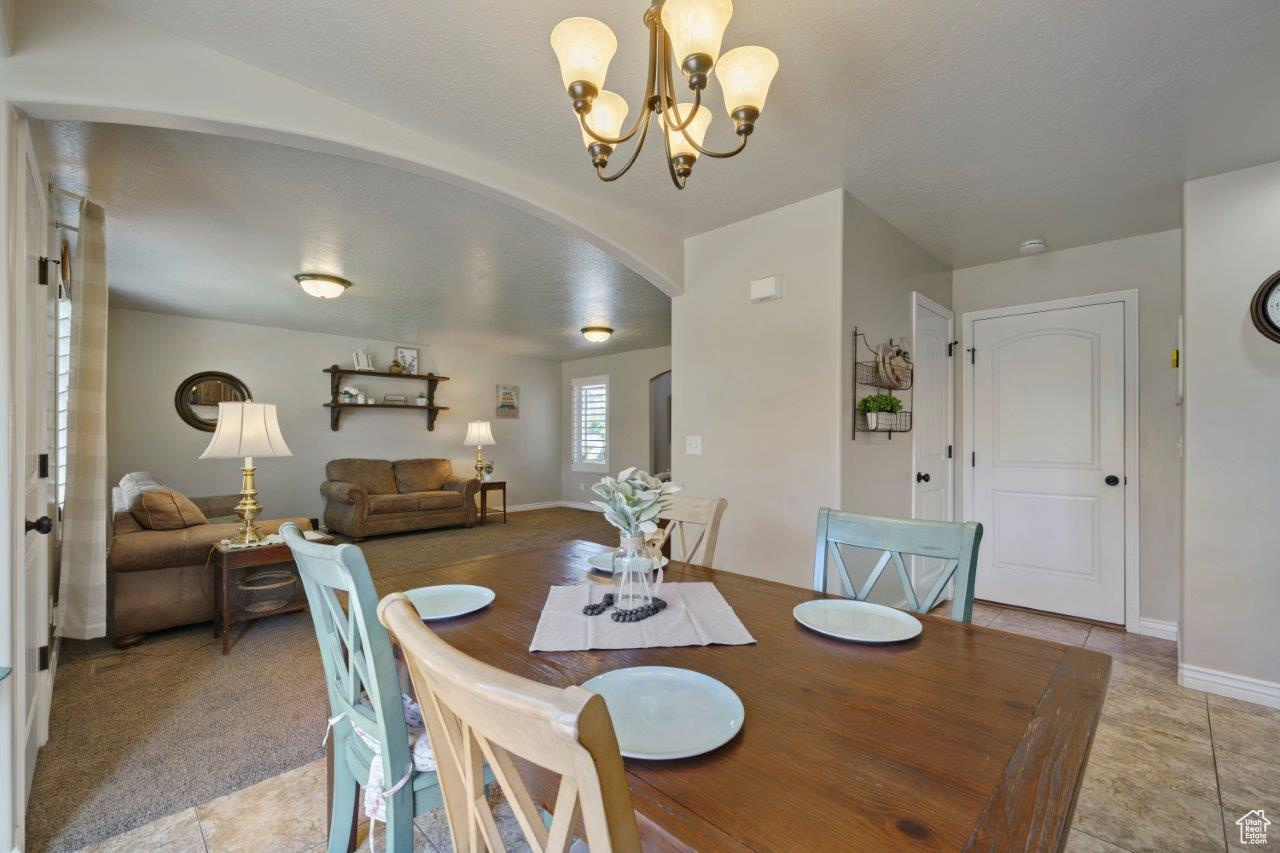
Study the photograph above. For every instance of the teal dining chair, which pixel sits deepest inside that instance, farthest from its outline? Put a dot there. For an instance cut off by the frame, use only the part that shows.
(364, 692)
(957, 543)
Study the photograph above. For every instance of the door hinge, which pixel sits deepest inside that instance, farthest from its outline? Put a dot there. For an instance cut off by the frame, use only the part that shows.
(973, 355)
(43, 273)
(44, 658)
(948, 451)
(42, 461)
(951, 349)
(973, 459)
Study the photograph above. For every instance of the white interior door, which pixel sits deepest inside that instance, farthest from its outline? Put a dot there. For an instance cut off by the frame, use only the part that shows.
(931, 426)
(1049, 459)
(31, 338)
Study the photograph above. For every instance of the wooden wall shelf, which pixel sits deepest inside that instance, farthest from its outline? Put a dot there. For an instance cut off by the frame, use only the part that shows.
(336, 408)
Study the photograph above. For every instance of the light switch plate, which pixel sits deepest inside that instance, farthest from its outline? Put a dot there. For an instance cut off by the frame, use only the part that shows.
(693, 445)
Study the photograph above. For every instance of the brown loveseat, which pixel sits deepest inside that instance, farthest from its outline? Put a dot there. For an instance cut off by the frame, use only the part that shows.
(164, 578)
(367, 497)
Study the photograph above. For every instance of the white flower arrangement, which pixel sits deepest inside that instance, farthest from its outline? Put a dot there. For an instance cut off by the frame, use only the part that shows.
(349, 393)
(633, 501)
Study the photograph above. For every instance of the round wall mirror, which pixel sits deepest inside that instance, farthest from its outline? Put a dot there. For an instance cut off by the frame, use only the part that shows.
(198, 397)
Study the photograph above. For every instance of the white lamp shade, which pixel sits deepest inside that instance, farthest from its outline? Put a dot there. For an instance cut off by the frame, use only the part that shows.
(608, 112)
(745, 74)
(696, 26)
(585, 47)
(245, 430)
(478, 434)
(697, 130)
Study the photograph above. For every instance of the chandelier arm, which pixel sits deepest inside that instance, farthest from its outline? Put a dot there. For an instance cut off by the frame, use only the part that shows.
(718, 154)
(667, 92)
(642, 117)
(635, 152)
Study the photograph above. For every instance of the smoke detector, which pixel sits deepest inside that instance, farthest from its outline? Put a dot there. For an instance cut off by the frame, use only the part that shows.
(1032, 247)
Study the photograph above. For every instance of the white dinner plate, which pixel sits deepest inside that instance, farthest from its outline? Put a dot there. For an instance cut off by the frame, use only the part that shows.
(449, 600)
(858, 621)
(661, 712)
(603, 562)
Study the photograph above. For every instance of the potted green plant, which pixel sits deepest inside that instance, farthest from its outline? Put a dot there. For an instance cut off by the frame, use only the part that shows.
(873, 404)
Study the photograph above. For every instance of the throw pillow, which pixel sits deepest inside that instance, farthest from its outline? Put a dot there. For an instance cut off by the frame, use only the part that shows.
(165, 509)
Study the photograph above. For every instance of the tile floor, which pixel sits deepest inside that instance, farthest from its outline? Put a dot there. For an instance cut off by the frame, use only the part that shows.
(1171, 768)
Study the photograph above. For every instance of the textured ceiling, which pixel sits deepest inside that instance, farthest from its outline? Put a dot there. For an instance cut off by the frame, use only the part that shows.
(969, 125)
(214, 227)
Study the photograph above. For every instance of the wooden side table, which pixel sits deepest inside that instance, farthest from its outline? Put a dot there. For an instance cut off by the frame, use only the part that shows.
(231, 560)
(492, 486)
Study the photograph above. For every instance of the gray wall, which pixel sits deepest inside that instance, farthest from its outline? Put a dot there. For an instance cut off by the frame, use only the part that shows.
(1231, 610)
(761, 382)
(1151, 264)
(882, 268)
(629, 374)
(151, 353)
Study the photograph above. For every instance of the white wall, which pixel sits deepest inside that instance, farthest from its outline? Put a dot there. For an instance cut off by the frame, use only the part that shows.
(760, 383)
(1151, 264)
(1231, 538)
(150, 354)
(629, 374)
(882, 267)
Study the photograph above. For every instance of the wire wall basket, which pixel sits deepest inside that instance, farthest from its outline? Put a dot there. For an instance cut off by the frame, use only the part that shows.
(888, 369)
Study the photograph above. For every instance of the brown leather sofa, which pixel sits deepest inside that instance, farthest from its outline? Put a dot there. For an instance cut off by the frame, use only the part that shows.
(164, 578)
(368, 497)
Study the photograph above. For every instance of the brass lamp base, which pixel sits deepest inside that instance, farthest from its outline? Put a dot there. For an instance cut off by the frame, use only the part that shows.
(479, 464)
(248, 510)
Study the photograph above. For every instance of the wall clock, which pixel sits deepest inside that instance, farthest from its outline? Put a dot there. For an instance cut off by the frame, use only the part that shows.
(1266, 308)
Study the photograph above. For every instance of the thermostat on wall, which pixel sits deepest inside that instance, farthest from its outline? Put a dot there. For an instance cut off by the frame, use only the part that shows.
(764, 289)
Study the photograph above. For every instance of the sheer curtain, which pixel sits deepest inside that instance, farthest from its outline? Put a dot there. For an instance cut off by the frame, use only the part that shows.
(82, 594)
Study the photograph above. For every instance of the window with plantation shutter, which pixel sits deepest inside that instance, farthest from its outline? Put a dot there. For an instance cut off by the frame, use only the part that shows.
(591, 424)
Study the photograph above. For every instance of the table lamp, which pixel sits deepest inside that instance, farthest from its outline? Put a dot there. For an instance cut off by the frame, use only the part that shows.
(246, 430)
(478, 435)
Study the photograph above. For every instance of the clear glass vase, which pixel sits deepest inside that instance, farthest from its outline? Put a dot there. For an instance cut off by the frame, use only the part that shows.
(634, 583)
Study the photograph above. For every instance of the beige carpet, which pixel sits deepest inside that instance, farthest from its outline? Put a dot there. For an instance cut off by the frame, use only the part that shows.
(173, 723)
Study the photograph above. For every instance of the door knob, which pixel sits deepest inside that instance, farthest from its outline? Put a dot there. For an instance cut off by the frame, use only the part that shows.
(922, 478)
(43, 524)
(1112, 480)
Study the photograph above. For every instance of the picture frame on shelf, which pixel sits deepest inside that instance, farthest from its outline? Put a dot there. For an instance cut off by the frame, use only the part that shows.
(408, 356)
(508, 401)
(362, 360)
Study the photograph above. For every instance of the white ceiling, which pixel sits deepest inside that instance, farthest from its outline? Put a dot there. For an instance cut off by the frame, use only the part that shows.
(969, 125)
(215, 227)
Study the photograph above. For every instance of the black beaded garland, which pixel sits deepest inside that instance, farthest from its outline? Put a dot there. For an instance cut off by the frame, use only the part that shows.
(639, 613)
(597, 609)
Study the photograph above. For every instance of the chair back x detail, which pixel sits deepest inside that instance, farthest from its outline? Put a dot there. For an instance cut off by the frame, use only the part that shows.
(957, 543)
(692, 524)
(475, 712)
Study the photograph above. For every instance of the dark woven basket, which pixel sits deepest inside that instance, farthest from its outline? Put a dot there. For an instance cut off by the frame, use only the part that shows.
(266, 590)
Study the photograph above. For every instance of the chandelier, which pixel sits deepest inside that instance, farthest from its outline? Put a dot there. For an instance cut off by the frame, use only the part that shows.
(687, 30)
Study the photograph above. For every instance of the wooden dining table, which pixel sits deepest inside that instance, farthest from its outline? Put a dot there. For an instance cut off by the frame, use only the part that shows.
(961, 738)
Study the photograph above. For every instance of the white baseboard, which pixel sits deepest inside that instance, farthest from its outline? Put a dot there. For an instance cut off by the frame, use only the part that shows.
(1229, 684)
(1158, 628)
(547, 505)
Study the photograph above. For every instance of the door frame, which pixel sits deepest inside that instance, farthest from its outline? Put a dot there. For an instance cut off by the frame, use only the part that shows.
(919, 300)
(1129, 298)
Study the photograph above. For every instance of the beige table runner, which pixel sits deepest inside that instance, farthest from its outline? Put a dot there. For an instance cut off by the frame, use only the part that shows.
(696, 615)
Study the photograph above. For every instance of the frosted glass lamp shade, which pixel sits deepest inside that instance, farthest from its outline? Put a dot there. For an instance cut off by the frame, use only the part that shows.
(745, 74)
(478, 434)
(585, 47)
(608, 112)
(697, 129)
(696, 26)
(246, 430)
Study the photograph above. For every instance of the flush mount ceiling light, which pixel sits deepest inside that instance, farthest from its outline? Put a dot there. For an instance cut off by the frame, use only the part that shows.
(687, 32)
(322, 286)
(1031, 247)
(596, 334)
